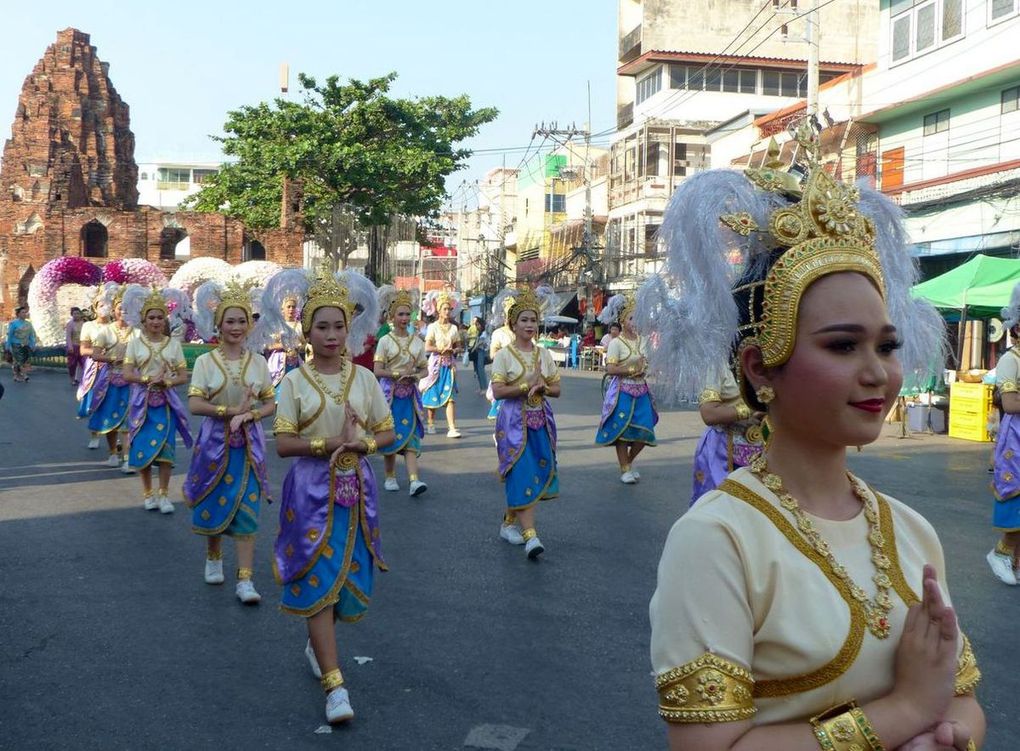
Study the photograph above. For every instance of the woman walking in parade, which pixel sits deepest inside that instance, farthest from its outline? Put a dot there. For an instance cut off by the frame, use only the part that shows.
(628, 412)
(1003, 558)
(110, 392)
(93, 372)
(796, 607)
(331, 415)
(20, 343)
(154, 365)
(732, 436)
(232, 391)
(502, 336)
(287, 350)
(399, 364)
(442, 343)
(72, 345)
(524, 378)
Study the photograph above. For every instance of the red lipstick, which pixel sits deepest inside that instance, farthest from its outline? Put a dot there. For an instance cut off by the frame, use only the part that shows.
(870, 405)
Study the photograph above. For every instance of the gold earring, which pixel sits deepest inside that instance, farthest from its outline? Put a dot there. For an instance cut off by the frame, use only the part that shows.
(765, 394)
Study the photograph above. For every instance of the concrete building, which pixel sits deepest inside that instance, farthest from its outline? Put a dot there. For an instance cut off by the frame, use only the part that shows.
(691, 72)
(165, 184)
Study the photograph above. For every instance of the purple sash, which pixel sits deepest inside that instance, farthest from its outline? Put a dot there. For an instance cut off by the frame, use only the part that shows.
(402, 390)
(511, 422)
(435, 362)
(311, 490)
(1006, 481)
(212, 453)
(142, 397)
(100, 386)
(89, 372)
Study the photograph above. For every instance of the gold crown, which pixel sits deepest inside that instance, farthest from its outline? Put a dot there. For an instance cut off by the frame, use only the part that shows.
(233, 295)
(526, 299)
(155, 301)
(628, 308)
(824, 233)
(118, 296)
(445, 298)
(402, 297)
(326, 292)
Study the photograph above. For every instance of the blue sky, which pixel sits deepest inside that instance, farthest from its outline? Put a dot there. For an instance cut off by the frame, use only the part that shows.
(182, 65)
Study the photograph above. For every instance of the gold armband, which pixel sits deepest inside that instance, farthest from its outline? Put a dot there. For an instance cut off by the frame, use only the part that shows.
(708, 689)
(845, 728)
(317, 446)
(1008, 386)
(743, 411)
(221, 412)
(371, 446)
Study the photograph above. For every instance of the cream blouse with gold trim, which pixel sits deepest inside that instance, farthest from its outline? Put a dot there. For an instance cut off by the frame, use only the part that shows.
(442, 336)
(781, 641)
(397, 353)
(307, 410)
(1007, 372)
(224, 382)
(112, 340)
(511, 365)
(149, 357)
(501, 338)
(722, 389)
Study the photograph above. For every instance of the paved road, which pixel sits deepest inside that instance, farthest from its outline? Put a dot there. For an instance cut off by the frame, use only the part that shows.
(110, 639)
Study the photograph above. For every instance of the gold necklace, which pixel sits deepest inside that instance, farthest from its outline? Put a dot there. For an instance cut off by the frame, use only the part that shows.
(876, 609)
(321, 383)
(228, 368)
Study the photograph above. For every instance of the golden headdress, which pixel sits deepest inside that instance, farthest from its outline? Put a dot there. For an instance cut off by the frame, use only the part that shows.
(326, 292)
(823, 233)
(154, 301)
(445, 298)
(233, 295)
(524, 300)
(402, 297)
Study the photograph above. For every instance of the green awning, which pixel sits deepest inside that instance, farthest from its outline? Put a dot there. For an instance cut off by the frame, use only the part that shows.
(982, 286)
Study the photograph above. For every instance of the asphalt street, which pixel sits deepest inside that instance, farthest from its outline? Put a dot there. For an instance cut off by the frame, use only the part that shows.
(110, 639)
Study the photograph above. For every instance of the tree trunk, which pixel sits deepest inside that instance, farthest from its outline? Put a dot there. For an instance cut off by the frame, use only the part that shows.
(376, 248)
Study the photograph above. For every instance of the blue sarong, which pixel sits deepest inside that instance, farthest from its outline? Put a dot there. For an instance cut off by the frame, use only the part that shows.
(1006, 482)
(628, 414)
(110, 404)
(440, 385)
(408, 418)
(526, 446)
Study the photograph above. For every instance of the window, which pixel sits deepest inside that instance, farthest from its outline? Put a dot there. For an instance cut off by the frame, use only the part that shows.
(787, 4)
(770, 82)
(555, 203)
(936, 122)
(199, 176)
(680, 160)
(174, 175)
(696, 79)
(892, 168)
(649, 85)
(919, 26)
(748, 81)
(652, 151)
(731, 80)
(678, 76)
(1011, 100)
(1003, 8)
(144, 176)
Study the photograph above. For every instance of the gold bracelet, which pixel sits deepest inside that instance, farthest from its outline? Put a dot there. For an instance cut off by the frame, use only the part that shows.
(866, 729)
(523, 388)
(396, 375)
(332, 680)
(845, 728)
(371, 446)
(255, 416)
(317, 446)
(743, 411)
(146, 379)
(221, 412)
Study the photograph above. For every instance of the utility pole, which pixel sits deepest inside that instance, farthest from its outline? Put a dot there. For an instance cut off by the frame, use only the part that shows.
(811, 18)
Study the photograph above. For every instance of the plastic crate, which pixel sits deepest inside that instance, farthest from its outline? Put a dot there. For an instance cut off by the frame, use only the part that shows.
(921, 417)
(971, 426)
(972, 397)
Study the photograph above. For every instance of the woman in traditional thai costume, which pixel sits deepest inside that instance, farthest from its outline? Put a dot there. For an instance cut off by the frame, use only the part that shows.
(154, 364)
(524, 378)
(110, 392)
(628, 411)
(287, 350)
(20, 343)
(399, 364)
(90, 368)
(502, 336)
(442, 343)
(330, 416)
(732, 436)
(1003, 558)
(796, 607)
(232, 391)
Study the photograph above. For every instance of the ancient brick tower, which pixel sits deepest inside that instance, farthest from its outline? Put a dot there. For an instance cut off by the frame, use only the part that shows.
(68, 182)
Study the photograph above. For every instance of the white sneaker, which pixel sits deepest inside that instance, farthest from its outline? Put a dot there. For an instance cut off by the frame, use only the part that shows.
(151, 502)
(1002, 567)
(627, 478)
(165, 505)
(247, 593)
(417, 488)
(511, 533)
(113, 461)
(453, 433)
(338, 706)
(214, 571)
(127, 469)
(310, 654)
(534, 548)
(430, 429)
(637, 475)
(94, 443)
(391, 484)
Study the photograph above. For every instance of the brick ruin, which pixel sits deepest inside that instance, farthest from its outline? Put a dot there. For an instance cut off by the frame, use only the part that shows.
(68, 184)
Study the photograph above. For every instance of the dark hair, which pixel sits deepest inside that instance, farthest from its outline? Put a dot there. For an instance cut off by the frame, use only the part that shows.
(74, 308)
(749, 294)
(616, 325)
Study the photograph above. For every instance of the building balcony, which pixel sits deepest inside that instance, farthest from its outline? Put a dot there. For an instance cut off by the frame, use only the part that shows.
(630, 45)
(168, 185)
(624, 115)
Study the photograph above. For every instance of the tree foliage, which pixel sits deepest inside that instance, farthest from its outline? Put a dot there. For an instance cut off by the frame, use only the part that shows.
(350, 145)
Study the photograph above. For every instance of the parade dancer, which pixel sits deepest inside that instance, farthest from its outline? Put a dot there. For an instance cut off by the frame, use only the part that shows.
(1006, 464)
(442, 343)
(797, 608)
(502, 336)
(628, 411)
(92, 372)
(154, 364)
(399, 364)
(231, 389)
(732, 436)
(331, 415)
(524, 378)
(110, 392)
(20, 343)
(287, 349)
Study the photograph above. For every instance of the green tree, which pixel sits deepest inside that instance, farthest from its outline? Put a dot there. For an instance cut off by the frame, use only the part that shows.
(354, 150)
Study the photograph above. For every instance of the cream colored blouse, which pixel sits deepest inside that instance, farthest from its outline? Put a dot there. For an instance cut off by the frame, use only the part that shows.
(512, 366)
(397, 353)
(627, 353)
(225, 383)
(442, 336)
(149, 358)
